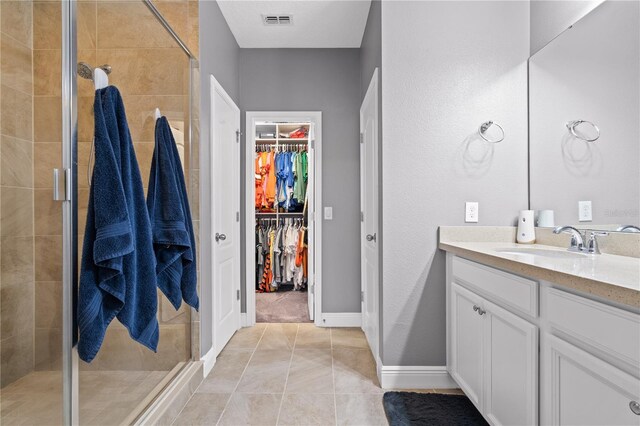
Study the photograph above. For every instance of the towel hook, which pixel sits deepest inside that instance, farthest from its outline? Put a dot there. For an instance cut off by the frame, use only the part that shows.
(485, 126)
(571, 125)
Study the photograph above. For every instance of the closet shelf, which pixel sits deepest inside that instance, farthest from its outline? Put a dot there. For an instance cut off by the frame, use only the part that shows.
(281, 213)
(282, 140)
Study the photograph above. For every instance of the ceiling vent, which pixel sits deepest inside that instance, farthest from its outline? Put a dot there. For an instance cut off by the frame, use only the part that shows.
(277, 19)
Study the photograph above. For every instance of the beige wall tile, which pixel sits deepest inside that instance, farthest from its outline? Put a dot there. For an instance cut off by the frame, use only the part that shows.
(47, 156)
(16, 20)
(47, 29)
(83, 207)
(16, 113)
(48, 252)
(144, 155)
(16, 212)
(86, 22)
(15, 65)
(137, 26)
(48, 349)
(47, 119)
(85, 115)
(16, 358)
(48, 304)
(17, 260)
(48, 213)
(146, 71)
(17, 162)
(140, 114)
(47, 72)
(17, 303)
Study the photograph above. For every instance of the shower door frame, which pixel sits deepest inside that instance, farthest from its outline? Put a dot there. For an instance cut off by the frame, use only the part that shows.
(69, 163)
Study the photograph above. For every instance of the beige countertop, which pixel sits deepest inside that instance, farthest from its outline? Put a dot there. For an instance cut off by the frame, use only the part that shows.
(613, 277)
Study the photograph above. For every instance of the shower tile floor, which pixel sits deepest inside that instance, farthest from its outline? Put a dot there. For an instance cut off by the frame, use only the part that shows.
(291, 374)
(106, 397)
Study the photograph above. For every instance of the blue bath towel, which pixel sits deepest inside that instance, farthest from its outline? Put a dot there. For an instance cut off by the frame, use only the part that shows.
(173, 238)
(117, 276)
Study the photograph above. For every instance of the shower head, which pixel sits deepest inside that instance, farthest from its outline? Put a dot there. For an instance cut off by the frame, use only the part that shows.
(86, 71)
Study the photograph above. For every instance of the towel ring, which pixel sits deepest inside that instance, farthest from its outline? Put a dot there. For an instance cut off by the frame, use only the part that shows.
(571, 125)
(485, 126)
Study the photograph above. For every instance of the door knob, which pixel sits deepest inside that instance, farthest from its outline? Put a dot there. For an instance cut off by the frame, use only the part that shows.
(220, 237)
(635, 407)
(371, 237)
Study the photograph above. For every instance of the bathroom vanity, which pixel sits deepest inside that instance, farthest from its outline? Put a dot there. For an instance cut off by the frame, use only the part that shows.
(539, 335)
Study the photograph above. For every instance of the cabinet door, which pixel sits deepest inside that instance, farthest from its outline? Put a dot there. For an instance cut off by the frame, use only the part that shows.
(580, 389)
(466, 342)
(511, 368)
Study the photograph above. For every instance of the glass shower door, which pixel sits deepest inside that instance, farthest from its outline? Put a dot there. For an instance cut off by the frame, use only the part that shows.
(31, 231)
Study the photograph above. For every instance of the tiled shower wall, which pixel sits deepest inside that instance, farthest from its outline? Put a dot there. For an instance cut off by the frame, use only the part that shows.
(16, 191)
(150, 72)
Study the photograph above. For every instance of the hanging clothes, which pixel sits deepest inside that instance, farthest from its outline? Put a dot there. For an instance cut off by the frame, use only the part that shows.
(280, 180)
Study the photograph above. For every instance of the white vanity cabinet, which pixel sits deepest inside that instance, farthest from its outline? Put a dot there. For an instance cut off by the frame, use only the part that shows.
(493, 353)
(529, 353)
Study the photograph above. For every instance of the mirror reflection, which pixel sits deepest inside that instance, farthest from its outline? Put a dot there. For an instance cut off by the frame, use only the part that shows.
(585, 123)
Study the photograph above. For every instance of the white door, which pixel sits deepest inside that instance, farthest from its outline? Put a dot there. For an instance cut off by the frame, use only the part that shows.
(466, 342)
(511, 368)
(369, 213)
(225, 223)
(580, 389)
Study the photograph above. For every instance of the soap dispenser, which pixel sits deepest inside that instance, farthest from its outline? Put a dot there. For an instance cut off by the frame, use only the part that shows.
(526, 228)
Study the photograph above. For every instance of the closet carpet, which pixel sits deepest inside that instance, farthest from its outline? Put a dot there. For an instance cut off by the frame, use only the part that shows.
(282, 307)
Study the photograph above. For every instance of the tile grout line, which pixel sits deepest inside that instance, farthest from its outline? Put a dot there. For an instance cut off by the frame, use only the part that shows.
(286, 381)
(241, 376)
(333, 376)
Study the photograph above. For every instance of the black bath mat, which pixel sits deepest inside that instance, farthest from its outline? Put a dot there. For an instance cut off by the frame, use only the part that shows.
(433, 409)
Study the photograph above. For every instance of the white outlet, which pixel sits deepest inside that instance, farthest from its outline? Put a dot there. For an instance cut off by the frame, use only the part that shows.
(328, 213)
(471, 212)
(584, 211)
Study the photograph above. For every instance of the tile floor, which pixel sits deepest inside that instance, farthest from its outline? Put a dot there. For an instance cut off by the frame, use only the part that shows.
(290, 374)
(106, 397)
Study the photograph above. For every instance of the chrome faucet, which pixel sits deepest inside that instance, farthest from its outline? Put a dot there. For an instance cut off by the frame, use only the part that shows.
(577, 239)
(628, 228)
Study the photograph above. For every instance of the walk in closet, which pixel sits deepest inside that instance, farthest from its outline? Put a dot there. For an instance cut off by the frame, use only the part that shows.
(281, 164)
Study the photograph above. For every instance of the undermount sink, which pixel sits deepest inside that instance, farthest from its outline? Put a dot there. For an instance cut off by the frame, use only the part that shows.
(542, 252)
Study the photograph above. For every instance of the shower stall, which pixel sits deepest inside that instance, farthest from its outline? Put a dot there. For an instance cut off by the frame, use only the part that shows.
(48, 52)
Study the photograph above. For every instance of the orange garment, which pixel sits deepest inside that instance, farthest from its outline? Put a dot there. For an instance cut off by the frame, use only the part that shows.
(301, 247)
(270, 188)
(258, 179)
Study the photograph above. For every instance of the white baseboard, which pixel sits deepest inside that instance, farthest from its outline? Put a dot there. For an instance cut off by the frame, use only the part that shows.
(208, 361)
(340, 319)
(415, 377)
(244, 319)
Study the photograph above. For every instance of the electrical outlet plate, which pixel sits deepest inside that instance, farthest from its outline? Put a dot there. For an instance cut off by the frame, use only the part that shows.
(471, 212)
(328, 213)
(585, 213)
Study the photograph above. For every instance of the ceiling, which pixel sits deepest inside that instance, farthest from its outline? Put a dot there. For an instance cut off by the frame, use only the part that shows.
(315, 23)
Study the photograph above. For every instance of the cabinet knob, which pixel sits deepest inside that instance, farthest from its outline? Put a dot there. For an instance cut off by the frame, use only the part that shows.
(479, 310)
(635, 407)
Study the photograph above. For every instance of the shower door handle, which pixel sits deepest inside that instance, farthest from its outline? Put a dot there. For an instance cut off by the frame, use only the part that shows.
(61, 182)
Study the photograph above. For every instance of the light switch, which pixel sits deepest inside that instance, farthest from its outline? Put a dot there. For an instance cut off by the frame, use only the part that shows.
(471, 212)
(328, 213)
(584, 211)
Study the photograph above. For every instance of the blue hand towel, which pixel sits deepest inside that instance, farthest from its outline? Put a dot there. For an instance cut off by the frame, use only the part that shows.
(168, 204)
(117, 276)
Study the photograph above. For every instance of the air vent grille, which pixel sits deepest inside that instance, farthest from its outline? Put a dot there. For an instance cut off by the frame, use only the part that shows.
(277, 19)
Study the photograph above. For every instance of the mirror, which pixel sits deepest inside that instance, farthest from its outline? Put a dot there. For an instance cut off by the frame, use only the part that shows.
(584, 120)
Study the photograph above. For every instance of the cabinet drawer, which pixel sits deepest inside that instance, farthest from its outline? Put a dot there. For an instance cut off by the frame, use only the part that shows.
(611, 330)
(506, 289)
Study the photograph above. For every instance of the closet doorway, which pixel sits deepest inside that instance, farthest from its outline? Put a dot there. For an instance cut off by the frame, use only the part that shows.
(283, 192)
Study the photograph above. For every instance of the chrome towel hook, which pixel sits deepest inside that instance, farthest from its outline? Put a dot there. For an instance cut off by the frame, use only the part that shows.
(485, 126)
(571, 125)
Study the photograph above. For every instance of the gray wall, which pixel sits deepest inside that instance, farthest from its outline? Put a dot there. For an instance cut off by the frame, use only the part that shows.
(448, 67)
(219, 55)
(326, 80)
(550, 18)
(590, 72)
